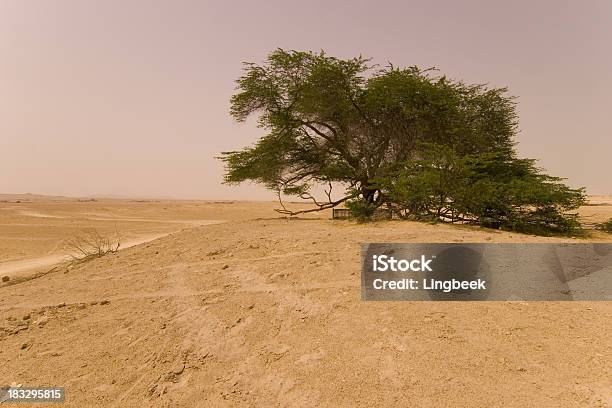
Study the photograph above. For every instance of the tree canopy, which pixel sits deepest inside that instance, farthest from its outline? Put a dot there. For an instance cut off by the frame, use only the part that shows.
(375, 132)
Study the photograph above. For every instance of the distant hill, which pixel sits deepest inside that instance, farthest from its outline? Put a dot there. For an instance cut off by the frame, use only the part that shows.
(36, 197)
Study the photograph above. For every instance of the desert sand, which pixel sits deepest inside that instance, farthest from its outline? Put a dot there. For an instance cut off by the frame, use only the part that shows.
(225, 304)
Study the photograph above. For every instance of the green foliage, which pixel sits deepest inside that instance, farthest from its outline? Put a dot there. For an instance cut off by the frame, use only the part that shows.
(491, 189)
(605, 226)
(361, 210)
(426, 146)
(342, 121)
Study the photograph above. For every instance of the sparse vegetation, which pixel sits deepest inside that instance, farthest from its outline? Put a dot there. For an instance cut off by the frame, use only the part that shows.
(605, 226)
(91, 245)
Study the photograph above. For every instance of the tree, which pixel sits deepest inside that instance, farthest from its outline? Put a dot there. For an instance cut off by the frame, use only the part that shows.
(329, 124)
(343, 122)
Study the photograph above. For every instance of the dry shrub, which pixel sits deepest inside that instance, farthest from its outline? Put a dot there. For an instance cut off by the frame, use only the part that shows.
(91, 245)
(605, 226)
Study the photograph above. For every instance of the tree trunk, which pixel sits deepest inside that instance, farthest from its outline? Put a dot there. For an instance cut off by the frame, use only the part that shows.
(368, 193)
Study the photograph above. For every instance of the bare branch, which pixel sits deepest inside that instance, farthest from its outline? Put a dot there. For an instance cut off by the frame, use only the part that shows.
(92, 245)
(320, 207)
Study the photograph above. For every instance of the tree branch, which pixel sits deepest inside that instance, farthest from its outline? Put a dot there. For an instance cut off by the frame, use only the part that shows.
(320, 207)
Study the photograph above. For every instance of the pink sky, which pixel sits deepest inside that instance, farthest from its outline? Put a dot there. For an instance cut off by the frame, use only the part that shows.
(131, 98)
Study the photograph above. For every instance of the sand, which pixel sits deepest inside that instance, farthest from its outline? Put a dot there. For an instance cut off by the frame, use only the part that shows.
(257, 310)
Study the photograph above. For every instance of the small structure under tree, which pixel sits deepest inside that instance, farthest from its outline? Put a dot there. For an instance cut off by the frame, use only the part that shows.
(340, 213)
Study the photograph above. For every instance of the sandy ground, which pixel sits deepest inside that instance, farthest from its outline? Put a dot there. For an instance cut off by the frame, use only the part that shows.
(263, 311)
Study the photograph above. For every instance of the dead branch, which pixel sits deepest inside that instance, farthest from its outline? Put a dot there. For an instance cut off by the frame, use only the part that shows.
(91, 245)
(320, 206)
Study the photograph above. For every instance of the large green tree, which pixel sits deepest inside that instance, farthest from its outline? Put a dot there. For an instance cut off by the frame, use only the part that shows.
(332, 121)
(344, 122)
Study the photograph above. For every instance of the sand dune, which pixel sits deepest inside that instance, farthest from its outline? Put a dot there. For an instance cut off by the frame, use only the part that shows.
(264, 311)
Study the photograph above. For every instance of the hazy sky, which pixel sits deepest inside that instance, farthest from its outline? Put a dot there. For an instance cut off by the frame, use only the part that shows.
(132, 97)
